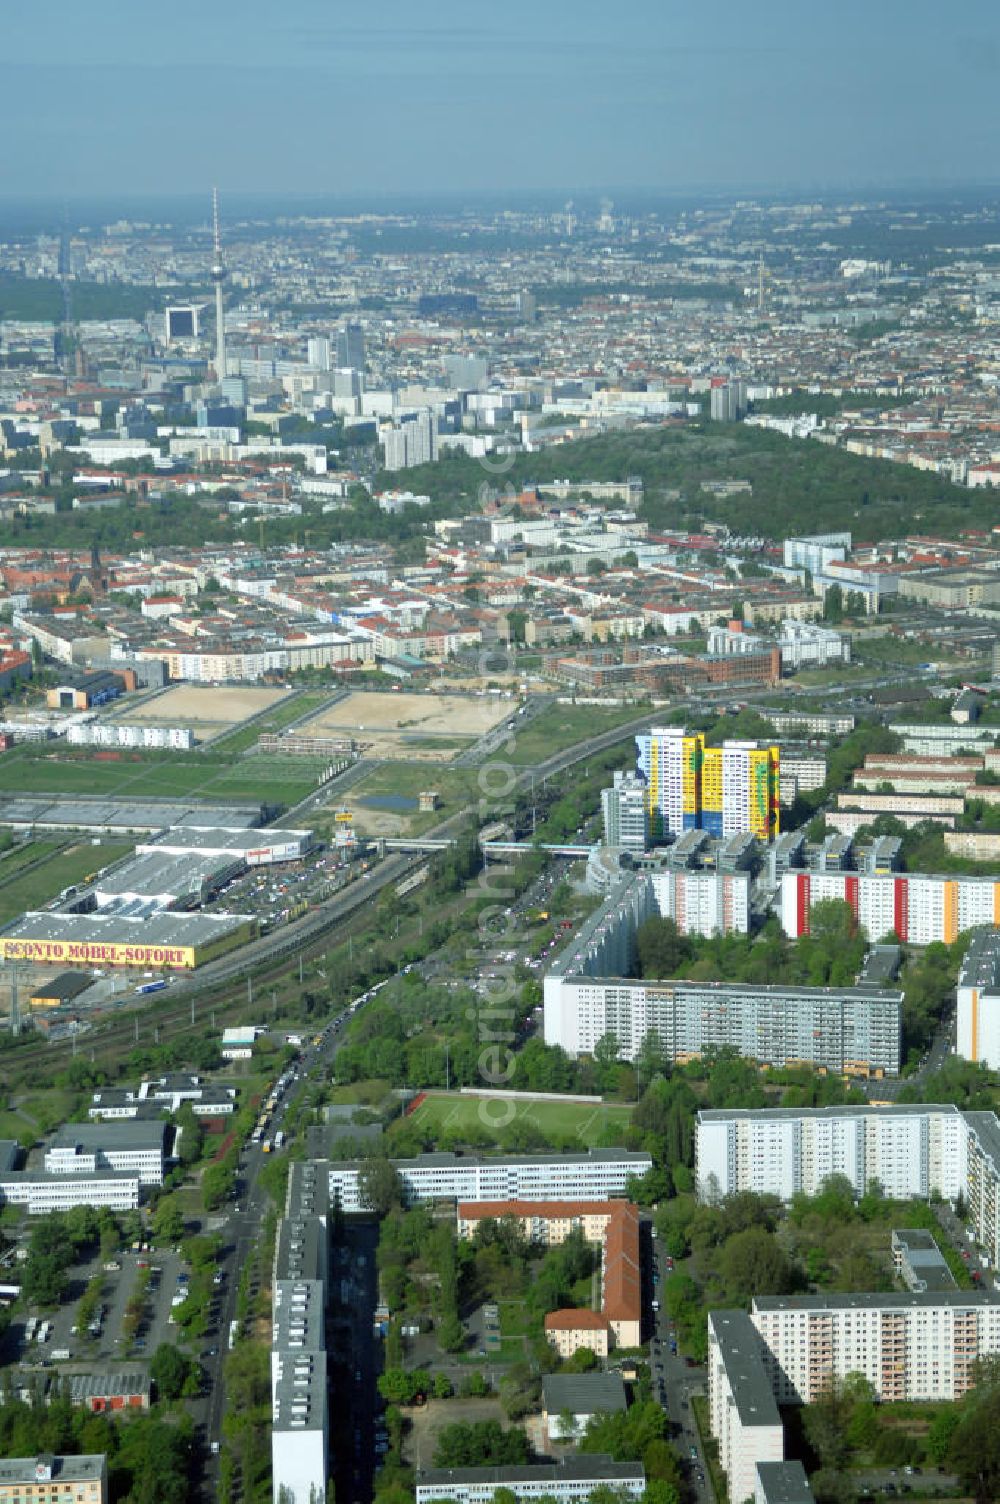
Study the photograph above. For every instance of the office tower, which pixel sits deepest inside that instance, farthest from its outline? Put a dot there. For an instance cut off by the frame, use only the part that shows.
(728, 402)
(218, 277)
(351, 347)
(348, 383)
(181, 322)
(527, 306)
(626, 818)
(234, 390)
(468, 373)
(318, 352)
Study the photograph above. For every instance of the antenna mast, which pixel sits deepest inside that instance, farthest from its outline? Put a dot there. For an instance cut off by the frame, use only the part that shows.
(218, 277)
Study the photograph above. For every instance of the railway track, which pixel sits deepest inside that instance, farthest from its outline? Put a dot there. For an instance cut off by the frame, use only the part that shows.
(264, 961)
(271, 957)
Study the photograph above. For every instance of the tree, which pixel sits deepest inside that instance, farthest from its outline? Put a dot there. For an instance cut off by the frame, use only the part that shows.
(191, 1135)
(443, 1387)
(482, 1443)
(168, 1220)
(584, 1360)
(752, 1262)
(216, 1185)
(658, 1491)
(169, 1370)
(974, 1450)
(662, 948)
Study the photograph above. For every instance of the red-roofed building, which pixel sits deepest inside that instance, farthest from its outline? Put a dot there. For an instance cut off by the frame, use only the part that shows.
(567, 1331)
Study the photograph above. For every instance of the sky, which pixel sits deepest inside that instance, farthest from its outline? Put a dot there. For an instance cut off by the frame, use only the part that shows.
(109, 97)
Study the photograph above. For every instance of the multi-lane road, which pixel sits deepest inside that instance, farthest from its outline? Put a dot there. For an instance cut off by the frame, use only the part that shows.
(241, 1232)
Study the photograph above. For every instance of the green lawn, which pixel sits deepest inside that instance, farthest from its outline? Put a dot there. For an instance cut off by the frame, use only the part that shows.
(283, 780)
(60, 871)
(23, 856)
(562, 726)
(587, 1122)
(284, 712)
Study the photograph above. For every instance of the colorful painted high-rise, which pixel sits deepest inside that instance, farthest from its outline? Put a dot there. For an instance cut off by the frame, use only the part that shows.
(724, 790)
(670, 759)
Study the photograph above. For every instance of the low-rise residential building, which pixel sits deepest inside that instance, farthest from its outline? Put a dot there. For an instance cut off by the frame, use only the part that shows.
(37, 1480)
(570, 1481)
(571, 1329)
(919, 1262)
(782, 1483)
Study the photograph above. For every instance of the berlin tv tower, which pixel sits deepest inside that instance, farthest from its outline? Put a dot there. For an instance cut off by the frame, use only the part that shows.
(218, 277)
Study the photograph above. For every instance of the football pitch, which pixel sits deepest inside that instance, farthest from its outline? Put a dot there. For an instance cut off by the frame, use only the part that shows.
(587, 1123)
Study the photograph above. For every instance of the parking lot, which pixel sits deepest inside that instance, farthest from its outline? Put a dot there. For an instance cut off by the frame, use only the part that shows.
(109, 1344)
(275, 894)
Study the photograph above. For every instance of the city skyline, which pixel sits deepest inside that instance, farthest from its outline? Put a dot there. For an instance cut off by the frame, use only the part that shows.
(673, 101)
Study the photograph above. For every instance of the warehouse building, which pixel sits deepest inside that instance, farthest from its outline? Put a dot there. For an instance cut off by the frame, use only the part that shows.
(154, 881)
(117, 816)
(60, 990)
(257, 848)
(177, 942)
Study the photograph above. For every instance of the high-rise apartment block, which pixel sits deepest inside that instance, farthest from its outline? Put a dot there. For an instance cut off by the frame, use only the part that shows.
(728, 402)
(414, 441)
(626, 817)
(978, 995)
(918, 1150)
(590, 990)
(725, 790)
(919, 908)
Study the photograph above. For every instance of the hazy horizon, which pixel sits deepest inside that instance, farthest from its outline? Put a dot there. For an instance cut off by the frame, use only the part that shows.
(137, 103)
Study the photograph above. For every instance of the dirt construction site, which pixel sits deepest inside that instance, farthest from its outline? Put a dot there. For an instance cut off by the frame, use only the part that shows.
(426, 728)
(206, 710)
